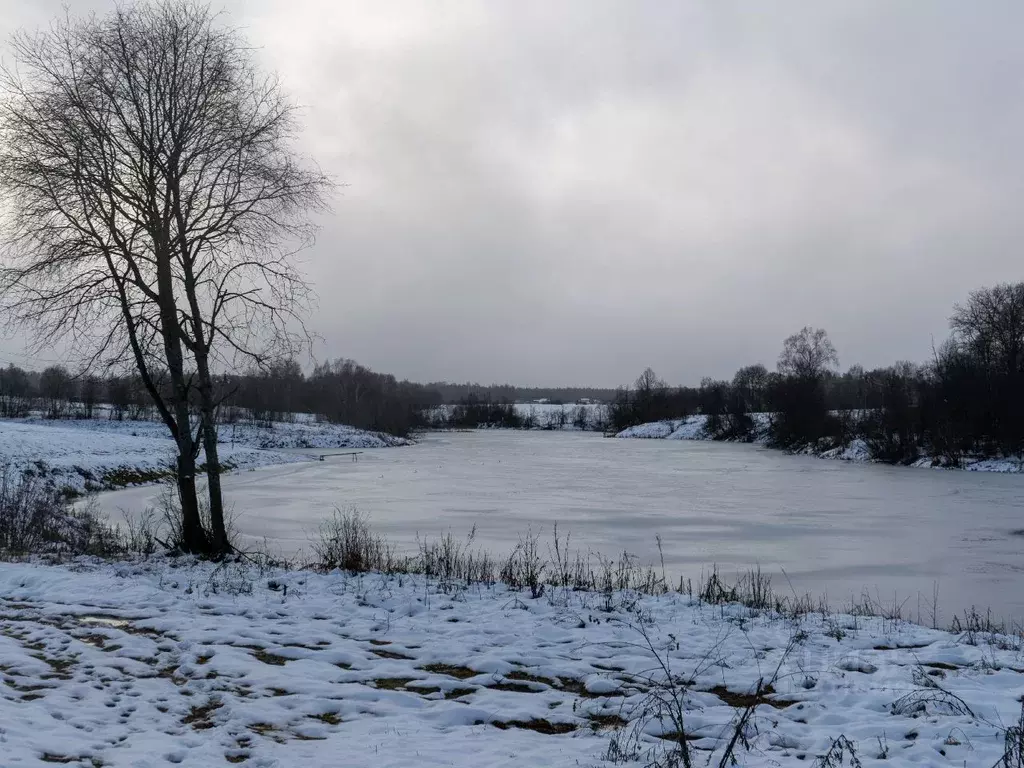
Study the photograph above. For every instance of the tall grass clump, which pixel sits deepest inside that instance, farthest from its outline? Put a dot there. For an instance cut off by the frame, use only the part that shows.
(452, 561)
(347, 543)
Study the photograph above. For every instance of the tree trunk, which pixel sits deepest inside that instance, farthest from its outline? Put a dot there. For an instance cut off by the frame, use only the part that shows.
(175, 416)
(219, 544)
(194, 538)
(192, 534)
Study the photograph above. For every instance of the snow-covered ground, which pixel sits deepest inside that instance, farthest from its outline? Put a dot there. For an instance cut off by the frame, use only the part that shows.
(156, 662)
(100, 453)
(693, 428)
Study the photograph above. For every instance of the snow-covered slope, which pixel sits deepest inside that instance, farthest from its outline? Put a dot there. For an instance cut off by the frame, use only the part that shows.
(157, 663)
(690, 428)
(99, 453)
(694, 428)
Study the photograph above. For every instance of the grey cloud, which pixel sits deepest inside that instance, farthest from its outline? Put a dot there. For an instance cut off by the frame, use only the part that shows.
(568, 192)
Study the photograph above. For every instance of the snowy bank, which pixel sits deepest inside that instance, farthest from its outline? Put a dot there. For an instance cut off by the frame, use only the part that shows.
(101, 454)
(695, 428)
(690, 428)
(156, 662)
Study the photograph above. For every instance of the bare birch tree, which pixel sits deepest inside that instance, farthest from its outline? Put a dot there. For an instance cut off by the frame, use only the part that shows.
(153, 203)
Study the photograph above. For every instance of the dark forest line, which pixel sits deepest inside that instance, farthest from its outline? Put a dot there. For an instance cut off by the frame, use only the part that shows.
(964, 401)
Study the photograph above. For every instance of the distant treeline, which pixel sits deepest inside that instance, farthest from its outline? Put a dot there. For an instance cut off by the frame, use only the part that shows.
(506, 393)
(966, 400)
(473, 413)
(341, 391)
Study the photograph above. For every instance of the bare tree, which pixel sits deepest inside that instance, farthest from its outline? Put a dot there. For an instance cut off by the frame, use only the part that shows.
(989, 328)
(55, 387)
(808, 354)
(155, 202)
(88, 394)
(648, 382)
(991, 325)
(797, 396)
(751, 384)
(15, 391)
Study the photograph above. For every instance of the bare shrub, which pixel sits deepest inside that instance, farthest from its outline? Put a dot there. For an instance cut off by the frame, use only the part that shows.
(86, 531)
(975, 628)
(838, 752)
(38, 518)
(567, 570)
(453, 561)
(141, 534)
(931, 699)
(163, 523)
(1013, 745)
(665, 701)
(525, 567)
(346, 542)
(753, 589)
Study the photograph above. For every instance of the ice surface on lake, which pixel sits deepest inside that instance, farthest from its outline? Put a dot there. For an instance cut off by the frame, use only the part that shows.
(836, 528)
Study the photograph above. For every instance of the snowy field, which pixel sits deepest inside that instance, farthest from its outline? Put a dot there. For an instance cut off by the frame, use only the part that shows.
(153, 664)
(835, 528)
(693, 428)
(100, 453)
(542, 415)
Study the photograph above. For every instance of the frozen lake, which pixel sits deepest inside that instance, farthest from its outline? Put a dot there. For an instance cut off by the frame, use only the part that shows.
(836, 528)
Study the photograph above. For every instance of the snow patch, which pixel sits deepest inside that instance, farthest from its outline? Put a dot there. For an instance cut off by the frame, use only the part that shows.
(655, 430)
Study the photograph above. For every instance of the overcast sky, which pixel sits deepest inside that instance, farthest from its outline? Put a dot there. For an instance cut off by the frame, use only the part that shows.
(567, 192)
